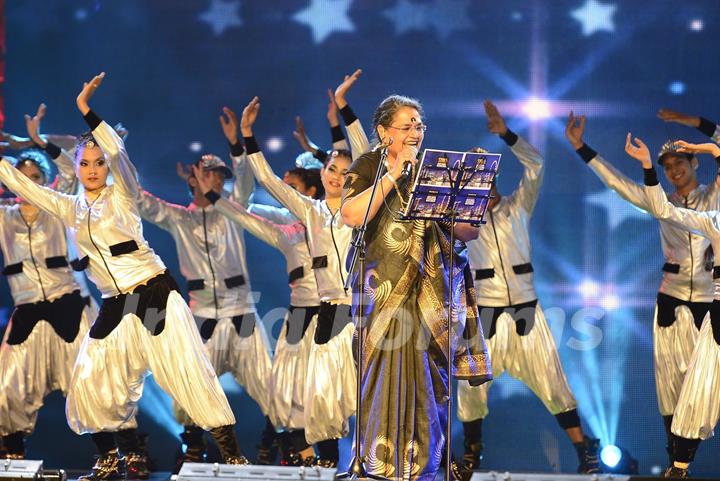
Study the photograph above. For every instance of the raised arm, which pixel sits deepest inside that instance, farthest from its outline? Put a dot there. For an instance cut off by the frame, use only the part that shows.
(276, 215)
(55, 203)
(164, 214)
(305, 142)
(244, 183)
(702, 223)
(124, 174)
(299, 205)
(67, 181)
(359, 143)
(336, 133)
(704, 125)
(526, 194)
(608, 175)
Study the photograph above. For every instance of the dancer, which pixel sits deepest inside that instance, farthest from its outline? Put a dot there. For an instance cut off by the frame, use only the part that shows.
(404, 364)
(144, 325)
(698, 406)
(51, 315)
(686, 290)
(286, 384)
(330, 386)
(211, 252)
(518, 337)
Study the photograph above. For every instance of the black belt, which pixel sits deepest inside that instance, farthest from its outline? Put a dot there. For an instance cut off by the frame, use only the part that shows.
(56, 262)
(671, 268)
(295, 274)
(319, 262)
(123, 248)
(13, 269)
(230, 283)
(519, 269)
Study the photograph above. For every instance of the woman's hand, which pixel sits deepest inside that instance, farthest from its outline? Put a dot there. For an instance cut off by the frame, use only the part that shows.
(407, 154)
(202, 179)
(87, 92)
(496, 123)
(301, 136)
(678, 118)
(574, 130)
(707, 148)
(229, 124)
(14, 142)
(638, 151)
(249, 116)
(332, 111)
(343, 88)
(33, 126)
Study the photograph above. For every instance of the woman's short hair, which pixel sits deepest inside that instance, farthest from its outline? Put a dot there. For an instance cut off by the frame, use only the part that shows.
(310, 178)
(389, 107)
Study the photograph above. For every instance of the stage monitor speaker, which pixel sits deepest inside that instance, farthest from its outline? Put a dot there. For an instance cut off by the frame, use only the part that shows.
(216, 472)
(20, 469)
(507, 476)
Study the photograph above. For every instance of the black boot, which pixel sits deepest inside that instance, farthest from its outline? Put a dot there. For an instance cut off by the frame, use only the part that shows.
(329, 453)
(670, 446)
(227, 442)
(136, 463)
(108, 467)
(267, 450)
(673, 472)
(587, 452)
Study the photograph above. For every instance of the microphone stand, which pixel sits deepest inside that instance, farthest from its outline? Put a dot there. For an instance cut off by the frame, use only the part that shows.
(357, 466)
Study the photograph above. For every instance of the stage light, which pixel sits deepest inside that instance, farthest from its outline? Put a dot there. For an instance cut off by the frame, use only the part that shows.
(617, 460)
(610, 302)
(537, 109)
(677, 88)
(696, 25)
(588, 288)
(610, 455)
(195, 146)
(275, 144)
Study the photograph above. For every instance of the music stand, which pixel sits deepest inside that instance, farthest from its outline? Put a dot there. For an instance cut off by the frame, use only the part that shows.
(455, 187)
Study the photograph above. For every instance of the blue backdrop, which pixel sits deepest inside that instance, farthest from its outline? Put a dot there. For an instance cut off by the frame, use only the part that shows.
(172, 66)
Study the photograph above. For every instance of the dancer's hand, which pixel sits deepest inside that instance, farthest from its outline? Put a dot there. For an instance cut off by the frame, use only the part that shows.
(87, 92)
(32, 124)
(707, 148)
(574, 130)
(202, 177)
(249, 116)
(332, 111)
(229, 124)
(183, 171)
(638, 151)
(301, 136)
(496, 123)
(343, 88)
(14, 142)
(678, 118)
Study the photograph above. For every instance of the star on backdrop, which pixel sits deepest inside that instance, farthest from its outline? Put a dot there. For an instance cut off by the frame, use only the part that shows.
(616, 209)
(325, 17)
(222, 15)
(443, 16)
(595, 17)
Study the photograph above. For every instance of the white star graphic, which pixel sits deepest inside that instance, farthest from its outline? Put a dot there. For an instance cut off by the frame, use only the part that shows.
(595, 17)
(222, 15)
(408, 16)
(616, 209)
(325, 17)
(444, 16)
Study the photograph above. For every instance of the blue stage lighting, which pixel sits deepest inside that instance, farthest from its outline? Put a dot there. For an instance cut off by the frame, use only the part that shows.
(610, 455)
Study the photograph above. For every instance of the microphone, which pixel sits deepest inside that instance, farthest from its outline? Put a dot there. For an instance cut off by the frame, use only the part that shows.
(407, 165)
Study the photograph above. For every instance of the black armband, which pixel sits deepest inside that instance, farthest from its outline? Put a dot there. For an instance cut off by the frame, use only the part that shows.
(337, 134)
(348, 115)
(92, 119)
(650, 176)
(706, 127)
(237, 149)
(251, 145)
(510, 137)
(52, 150)
(320, 154)
(212, 196)
(586, 153)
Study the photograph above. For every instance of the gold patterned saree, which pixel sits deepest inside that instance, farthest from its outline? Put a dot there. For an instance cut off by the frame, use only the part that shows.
(404, 362)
